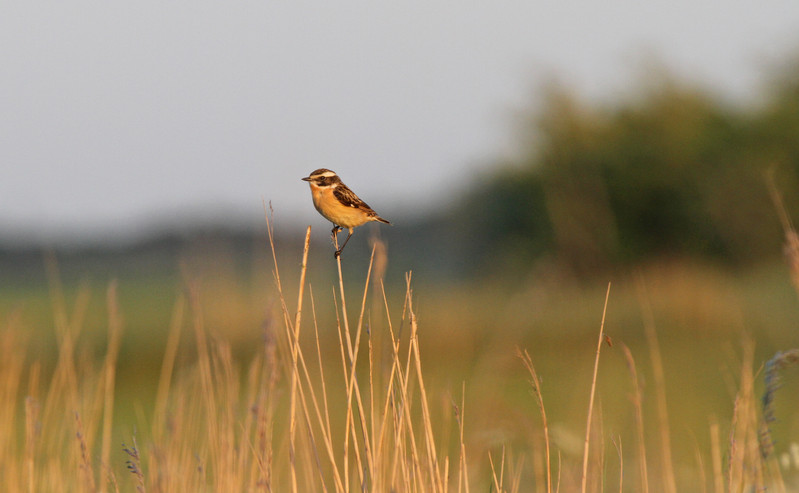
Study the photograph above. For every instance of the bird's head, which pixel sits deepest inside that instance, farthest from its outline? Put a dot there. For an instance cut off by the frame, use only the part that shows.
(322, 178)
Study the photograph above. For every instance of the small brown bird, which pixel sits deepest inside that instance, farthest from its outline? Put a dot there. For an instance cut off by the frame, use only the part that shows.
(338, 204)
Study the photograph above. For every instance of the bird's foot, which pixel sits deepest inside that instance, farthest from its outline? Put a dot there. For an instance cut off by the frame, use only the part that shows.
(334, 234)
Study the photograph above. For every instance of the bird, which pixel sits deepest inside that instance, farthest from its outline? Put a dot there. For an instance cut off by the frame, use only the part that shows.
(339, 205)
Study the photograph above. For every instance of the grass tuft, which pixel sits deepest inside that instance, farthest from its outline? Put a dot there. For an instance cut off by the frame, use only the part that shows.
(772, 381)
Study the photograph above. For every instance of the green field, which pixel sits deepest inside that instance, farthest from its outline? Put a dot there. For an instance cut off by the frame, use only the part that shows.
(184, 378)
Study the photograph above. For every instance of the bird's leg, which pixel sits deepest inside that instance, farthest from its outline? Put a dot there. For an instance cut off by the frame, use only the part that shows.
(338, 252)
(334, 234)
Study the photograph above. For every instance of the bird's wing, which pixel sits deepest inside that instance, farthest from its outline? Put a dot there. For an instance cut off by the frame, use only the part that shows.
(348, 198)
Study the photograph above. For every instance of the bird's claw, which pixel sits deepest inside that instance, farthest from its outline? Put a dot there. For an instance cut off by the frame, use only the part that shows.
(334, 237)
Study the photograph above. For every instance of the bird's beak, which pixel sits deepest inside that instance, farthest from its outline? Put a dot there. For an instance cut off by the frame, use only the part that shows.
(307, 178)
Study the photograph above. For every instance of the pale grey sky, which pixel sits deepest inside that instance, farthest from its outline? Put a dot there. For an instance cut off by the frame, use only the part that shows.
(114, 115)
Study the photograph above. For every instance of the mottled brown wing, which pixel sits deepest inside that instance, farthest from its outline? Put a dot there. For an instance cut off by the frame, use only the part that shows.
(348, 198)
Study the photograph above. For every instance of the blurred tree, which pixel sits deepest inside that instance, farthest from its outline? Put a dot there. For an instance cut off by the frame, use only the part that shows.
(671, 172)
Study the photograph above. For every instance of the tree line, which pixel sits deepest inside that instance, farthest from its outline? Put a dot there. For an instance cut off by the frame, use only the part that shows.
(673, 170)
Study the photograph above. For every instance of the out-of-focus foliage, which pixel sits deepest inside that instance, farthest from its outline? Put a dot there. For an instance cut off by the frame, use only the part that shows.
(672, 171)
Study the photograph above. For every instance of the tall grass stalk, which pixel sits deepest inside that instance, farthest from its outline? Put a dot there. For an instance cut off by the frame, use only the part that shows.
(295, 346)
(667, 477)
(351, 380)
(463, 475)
(535, 382)
(589, 418)
(715, 454)
(637, 401)
(167, 367)
(791, 245)
(109, 372)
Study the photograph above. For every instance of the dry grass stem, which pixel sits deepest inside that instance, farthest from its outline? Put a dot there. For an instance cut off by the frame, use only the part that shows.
(791, 247)
(535, 383)
(637, 401)
(295, 343)
(669, 482)
(584, 477)
(715, 452)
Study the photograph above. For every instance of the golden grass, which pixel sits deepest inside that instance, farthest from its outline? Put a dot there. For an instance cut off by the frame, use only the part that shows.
(304, 414)
(590, 414)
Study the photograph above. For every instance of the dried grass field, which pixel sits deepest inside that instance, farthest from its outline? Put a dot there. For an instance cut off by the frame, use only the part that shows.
(293, 377)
